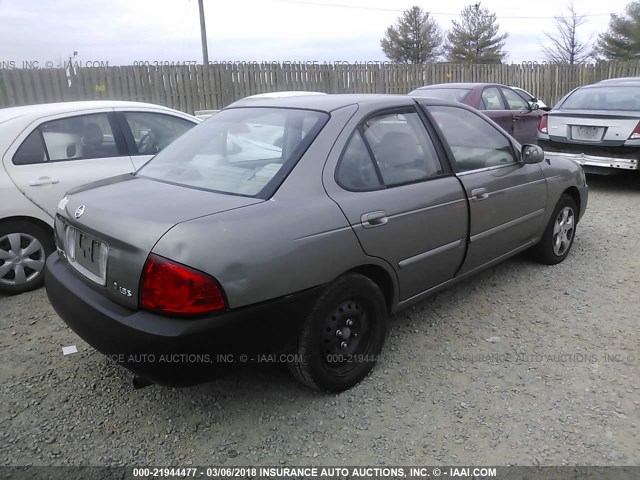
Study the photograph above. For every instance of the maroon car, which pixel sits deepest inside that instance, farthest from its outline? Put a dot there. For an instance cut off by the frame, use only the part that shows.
(502, 104)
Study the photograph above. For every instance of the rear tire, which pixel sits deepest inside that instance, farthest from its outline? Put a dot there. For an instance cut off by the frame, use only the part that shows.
(24, 248)
(342, 336)
(558, 237)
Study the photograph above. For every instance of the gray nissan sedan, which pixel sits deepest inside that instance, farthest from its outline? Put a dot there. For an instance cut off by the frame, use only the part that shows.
(290, 229)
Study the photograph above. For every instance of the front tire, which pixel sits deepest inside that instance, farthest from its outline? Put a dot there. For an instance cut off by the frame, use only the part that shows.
(342, 336)
(558, 237)
(24, 248)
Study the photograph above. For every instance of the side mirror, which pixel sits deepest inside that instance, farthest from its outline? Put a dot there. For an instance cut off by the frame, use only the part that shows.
(534, 105)
(532, 154)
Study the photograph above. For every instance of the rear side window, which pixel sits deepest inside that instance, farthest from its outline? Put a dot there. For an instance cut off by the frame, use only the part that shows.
(31, 151)
(474, 142)
(72, 138)
(357, 170)
(389, 149)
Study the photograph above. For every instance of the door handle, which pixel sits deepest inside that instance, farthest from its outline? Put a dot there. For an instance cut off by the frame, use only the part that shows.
(478, 194)
(43, 181)
(373, 219)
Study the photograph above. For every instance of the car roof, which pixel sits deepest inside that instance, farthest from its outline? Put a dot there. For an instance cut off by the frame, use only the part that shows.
(330, 102)
(287, 93)
(459, 85)
(45, 109)
(610, 84)
(620, 80)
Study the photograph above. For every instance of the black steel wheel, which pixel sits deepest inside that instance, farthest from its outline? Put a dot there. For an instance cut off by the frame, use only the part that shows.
(343, 335)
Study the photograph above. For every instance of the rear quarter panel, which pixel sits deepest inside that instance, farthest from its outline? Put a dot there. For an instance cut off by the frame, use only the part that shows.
(296, 240)
(14, 203)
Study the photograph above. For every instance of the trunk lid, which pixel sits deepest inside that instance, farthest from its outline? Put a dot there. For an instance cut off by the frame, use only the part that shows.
(130, 214)
(610, 128)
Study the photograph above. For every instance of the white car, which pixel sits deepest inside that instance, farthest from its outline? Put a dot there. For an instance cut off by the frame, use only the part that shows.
(530, 98)
(284, 94)
(49, 149)
(204, 114)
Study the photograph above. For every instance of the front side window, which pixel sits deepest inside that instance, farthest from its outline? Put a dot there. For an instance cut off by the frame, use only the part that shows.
(72, 138)
(474, 142)
(492, 100)
(515, 101)
(154, 131)
(241, 151)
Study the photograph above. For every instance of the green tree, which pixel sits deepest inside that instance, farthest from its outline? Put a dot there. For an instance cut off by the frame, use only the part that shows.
(622, 40)
(416, 38)
(564, 45)
(475, 38)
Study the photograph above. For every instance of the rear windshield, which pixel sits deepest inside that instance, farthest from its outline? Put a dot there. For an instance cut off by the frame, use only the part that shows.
(604, 98)
(241, 151)
(451, 94)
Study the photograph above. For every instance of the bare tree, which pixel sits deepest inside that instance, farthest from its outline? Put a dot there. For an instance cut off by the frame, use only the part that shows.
(565, 46)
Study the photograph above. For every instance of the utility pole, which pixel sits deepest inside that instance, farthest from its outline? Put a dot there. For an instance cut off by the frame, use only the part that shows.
(203, 34)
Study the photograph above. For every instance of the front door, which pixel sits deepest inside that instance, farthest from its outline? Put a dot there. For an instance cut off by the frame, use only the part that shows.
(507, 198)
(525, 120)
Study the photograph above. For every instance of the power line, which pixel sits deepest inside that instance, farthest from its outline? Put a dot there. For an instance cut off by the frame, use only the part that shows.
(381, 9)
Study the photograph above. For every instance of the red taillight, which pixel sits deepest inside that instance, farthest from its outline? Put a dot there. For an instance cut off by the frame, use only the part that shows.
(168, 287)
(635, 135)
(543, 127)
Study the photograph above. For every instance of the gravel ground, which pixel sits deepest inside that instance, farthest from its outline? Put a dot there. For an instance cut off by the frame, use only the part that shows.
(523, 364)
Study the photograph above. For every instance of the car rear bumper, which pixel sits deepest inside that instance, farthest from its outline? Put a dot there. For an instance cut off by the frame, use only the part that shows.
(597, 161)
(620, 157)
(175, 351)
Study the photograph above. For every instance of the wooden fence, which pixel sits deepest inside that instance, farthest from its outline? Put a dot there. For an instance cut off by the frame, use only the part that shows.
(190, 88)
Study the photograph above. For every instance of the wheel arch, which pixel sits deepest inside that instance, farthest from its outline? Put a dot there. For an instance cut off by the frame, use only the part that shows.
(575, 195)
(383, 279)
(21, 218)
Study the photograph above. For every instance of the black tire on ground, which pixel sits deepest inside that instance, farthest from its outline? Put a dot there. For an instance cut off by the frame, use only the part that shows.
(558, 237)
(342, 336)
(35, 278)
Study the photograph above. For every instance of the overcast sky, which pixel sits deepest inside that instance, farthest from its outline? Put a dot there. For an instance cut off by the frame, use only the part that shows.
(124, 31)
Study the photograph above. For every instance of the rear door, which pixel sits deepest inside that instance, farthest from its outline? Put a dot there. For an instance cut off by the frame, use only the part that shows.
(62, 152)
(507, 198)
(403, 203)
(525, 120)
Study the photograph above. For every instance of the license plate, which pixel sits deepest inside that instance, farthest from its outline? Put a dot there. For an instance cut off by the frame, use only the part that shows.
(587, 134)
(87, 254)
